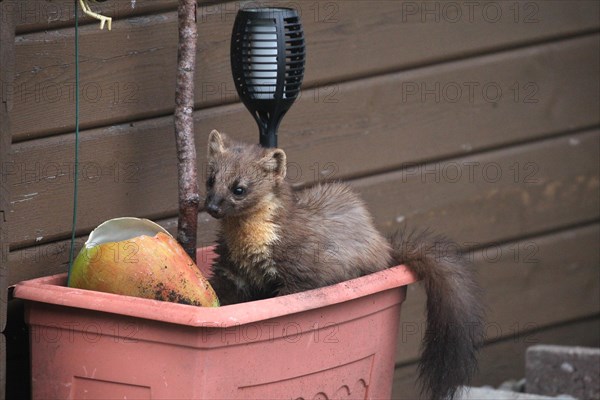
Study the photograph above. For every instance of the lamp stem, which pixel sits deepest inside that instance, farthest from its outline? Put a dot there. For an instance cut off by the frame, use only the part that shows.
(268, 134)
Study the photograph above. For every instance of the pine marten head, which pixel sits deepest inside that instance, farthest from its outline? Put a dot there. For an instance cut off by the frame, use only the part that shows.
(241, 178)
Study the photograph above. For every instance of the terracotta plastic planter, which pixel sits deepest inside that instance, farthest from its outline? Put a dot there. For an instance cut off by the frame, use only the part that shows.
(334, 342)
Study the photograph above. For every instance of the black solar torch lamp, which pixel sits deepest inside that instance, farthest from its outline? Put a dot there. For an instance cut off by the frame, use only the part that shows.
(267, 62)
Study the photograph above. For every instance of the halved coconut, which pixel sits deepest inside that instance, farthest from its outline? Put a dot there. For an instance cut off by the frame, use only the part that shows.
(137, 257)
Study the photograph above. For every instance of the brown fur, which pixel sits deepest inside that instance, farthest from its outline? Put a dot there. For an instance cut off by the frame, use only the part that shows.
(275, 241)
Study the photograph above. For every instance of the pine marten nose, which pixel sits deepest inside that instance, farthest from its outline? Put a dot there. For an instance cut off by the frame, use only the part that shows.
(213, 206)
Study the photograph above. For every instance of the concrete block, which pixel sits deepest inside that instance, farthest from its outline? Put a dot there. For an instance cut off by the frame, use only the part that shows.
(554, 370)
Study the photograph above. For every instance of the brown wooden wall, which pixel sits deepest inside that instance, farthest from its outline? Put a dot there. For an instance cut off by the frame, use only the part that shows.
(477, 119)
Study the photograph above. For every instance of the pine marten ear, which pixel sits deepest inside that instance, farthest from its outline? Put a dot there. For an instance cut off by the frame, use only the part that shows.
(274, 162)
(215, 144)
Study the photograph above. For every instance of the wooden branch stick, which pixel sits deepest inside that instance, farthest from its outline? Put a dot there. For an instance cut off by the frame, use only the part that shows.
(189, 198)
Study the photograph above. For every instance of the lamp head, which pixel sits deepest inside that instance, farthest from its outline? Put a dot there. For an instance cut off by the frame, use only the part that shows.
(267, 62)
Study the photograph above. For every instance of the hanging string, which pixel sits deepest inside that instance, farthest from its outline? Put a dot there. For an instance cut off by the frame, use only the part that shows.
(76, 164)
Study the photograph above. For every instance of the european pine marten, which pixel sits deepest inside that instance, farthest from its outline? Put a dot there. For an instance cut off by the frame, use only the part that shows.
(275, 241)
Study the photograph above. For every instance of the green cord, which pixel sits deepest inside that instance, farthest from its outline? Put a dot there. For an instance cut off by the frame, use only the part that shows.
(76, 172)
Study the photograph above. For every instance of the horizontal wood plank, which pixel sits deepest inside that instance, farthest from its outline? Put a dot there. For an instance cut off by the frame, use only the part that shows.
(504, 360)
(442, 111)
(496, 195)
(38, 15)
(528, 284)
(129, 73)
(130, 169)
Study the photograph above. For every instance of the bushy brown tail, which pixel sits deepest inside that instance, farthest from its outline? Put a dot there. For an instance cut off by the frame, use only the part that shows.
(455, 315)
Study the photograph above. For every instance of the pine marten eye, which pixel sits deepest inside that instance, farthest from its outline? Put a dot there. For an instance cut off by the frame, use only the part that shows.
(210, 182)
(238, 190)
